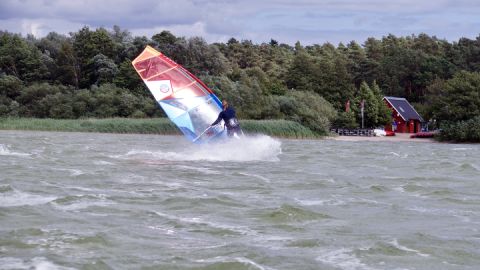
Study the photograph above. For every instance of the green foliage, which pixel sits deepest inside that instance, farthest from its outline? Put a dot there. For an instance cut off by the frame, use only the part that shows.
(68, 69)
(56, 101)
(461, 131)
(111, 101)
(197, 56)
(10, 86)
(127, 78)
(459, 98)
(104, 69)
(87, 44)
(366, 95)
(322, 70)
(384, 115)
(376, 112)
(21, 59)
(346, 120)
(37, 99)
(308, 109)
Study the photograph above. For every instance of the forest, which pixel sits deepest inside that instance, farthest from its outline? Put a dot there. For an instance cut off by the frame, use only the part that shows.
(88, 74)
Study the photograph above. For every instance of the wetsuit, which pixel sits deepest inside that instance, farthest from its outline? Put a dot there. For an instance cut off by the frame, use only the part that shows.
(230, 120)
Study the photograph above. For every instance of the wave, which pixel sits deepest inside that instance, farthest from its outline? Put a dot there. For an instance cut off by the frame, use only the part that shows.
(245, 149)
(12, 197)
(5, 151)
(292, 214)
(35, 263)
(222, 262)
(329, 202)
(209, 226)
(257, 176)
(79, 202)
(395, 243)
(73, 172)
(342, 258)
(469, 167)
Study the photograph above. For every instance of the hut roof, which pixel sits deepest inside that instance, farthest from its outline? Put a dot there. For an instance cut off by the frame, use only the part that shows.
(404, 108)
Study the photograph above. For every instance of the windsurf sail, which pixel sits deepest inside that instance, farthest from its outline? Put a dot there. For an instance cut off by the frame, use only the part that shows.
(186, 100)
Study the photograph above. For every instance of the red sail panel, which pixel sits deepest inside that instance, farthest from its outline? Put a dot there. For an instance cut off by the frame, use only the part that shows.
(152, 65)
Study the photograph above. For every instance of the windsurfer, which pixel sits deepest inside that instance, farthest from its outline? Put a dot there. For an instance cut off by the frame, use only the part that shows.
(229, 117)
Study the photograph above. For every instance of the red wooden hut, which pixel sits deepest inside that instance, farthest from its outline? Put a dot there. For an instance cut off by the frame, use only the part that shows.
(405, 118)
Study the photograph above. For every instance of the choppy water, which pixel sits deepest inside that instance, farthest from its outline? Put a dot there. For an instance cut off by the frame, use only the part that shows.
(103, 201)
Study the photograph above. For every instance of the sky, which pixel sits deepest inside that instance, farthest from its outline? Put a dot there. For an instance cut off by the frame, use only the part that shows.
(307, 21)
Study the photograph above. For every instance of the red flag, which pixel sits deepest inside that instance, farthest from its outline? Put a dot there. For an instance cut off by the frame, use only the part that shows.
(347, 106)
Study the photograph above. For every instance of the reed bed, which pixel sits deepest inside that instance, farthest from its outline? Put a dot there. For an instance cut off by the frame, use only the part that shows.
(107, 125)
(277, 128)
(161, 126)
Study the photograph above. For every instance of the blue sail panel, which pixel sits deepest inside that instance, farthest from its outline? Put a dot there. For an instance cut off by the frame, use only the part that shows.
(193, 116)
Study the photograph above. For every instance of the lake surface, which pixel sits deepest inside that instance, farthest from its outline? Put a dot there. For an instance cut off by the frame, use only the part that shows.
(107, 201)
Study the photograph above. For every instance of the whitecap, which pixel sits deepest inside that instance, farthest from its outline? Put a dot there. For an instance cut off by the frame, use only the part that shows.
(168, 231)
(38, 263)
(257, 148)
(395, 243)
(5, 151)
(18, 198)
(462, 149)
(395, 154)
(73, 172)
(201, 221)
(256, 176)
(223, 259)
(199, 169)
(103, 162)
(342, 258)
(81, 205)
(370, 201)
(245, 149)
(84, 202)
(250, 262)
(331, 202)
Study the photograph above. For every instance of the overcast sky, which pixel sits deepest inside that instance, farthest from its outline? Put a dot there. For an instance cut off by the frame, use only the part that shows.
(307, 21)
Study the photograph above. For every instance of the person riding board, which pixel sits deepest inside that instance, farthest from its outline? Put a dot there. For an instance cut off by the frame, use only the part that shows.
(229, 117)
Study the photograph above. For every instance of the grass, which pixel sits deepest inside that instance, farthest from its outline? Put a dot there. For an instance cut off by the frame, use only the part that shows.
(161, 126)
(277, 128)
(107, 125)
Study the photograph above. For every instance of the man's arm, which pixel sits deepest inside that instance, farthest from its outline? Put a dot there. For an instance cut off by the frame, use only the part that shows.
(220, 116)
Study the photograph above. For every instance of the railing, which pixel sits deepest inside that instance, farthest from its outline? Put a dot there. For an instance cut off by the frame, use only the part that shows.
(353, 132)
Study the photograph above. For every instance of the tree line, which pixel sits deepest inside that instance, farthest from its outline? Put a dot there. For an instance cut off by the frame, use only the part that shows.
(88, 73)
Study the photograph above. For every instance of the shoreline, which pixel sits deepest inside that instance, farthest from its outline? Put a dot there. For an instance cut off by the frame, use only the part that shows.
(399, 137)
(159, 126)
(162, 126)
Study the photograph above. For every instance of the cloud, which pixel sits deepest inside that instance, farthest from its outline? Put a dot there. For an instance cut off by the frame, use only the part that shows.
(105, 12)
(287, 21)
